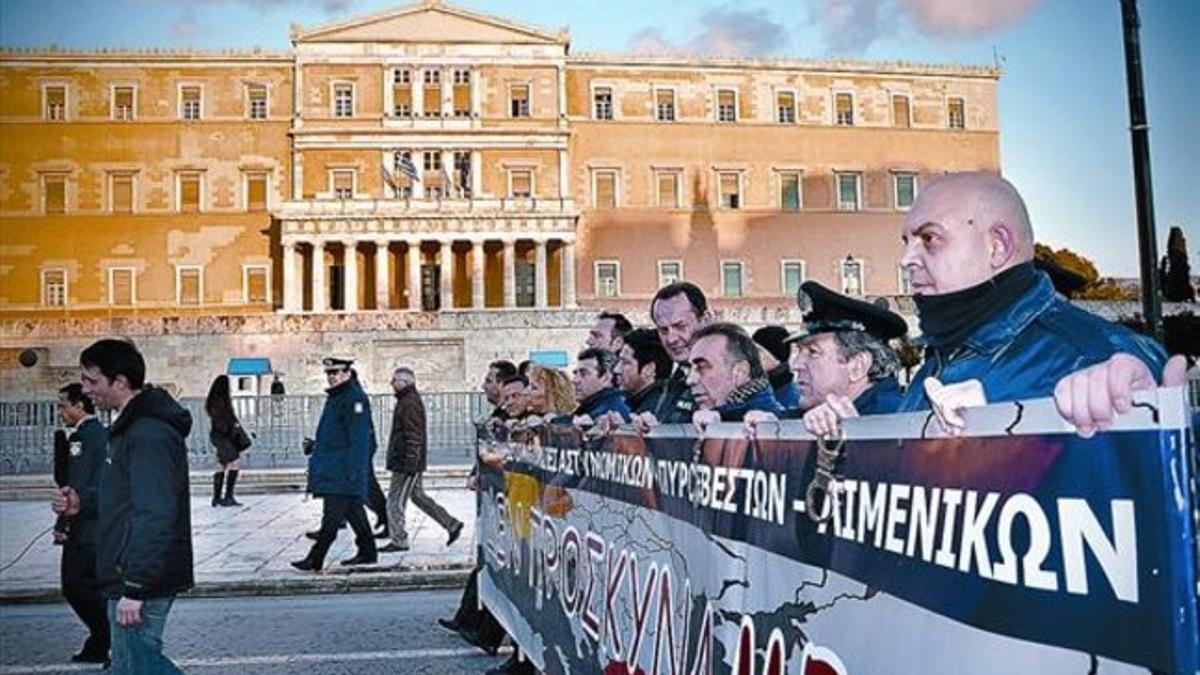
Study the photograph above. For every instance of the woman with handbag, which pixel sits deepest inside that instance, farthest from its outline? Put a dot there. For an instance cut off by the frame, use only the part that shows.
(228, 438)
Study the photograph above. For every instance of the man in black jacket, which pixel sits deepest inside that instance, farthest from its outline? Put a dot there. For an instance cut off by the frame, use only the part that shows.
(406, 459)
(87, 443)
(643, 370)
(144, 558)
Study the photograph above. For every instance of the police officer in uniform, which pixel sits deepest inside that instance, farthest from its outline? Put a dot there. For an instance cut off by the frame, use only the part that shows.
(339, 466)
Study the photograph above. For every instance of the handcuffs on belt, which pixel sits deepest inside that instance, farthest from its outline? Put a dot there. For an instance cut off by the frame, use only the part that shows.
(817, 503)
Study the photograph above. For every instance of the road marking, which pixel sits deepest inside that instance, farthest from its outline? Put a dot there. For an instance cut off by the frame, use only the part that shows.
(266, 660)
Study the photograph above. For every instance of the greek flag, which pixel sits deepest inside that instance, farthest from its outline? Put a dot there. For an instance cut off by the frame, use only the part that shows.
(404, 165)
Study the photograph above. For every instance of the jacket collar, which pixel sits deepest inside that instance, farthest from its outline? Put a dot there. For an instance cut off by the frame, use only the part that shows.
(591, 402)
(754, 392)
(635, 399)
(1009, 321)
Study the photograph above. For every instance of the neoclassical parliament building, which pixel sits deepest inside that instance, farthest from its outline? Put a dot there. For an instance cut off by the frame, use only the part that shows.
(430, 159)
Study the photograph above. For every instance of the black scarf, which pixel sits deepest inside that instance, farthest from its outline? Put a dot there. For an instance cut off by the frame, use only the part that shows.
(948, 320)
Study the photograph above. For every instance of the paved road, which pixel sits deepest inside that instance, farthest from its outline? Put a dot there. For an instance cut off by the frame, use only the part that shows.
(344, 633)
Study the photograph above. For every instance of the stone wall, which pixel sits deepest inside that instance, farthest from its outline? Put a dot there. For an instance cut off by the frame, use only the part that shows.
(449, 350)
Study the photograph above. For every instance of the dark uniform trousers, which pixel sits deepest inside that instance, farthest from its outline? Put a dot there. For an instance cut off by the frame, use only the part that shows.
(470, 616)
(339, 508)
(82, 592)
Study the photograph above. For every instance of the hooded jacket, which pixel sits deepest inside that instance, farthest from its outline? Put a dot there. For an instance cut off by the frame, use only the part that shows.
(145, 547)
(406, 450)
(1024, 349)
(341, 460)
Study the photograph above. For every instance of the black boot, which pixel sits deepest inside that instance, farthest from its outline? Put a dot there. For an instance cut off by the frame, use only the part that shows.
(218, 482)
(229, 500)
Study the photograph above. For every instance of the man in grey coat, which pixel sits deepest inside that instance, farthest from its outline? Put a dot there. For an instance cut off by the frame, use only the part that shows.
(406, 459)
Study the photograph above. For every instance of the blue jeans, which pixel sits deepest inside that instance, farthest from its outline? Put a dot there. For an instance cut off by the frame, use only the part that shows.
(137, 650)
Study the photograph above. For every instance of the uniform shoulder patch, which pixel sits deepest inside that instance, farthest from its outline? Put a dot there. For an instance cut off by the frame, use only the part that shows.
(358, 407)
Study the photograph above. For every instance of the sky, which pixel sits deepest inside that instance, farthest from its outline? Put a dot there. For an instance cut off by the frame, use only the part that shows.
(1064, 119)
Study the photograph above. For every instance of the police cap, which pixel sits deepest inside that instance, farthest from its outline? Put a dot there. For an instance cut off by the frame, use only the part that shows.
(336, 363)
(831, 312)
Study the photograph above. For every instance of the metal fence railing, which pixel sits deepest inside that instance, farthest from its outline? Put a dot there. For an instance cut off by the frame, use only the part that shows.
(279, 425)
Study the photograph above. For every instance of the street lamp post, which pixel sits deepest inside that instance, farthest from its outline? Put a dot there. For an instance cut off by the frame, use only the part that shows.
(1139, 131)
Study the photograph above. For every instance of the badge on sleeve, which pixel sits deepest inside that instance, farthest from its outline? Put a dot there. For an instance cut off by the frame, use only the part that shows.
(76, 448)
(358, 408)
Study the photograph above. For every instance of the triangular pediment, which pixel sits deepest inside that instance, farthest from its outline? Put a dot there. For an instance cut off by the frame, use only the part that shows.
(429, 22)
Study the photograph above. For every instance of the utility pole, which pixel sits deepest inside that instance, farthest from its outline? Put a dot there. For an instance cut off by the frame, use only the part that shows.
(1139, 131)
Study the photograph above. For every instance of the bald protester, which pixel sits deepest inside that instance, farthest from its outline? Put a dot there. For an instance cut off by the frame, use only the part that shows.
(991, 323)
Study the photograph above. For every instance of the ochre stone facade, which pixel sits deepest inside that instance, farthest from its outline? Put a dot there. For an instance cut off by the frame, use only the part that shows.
(162, 183)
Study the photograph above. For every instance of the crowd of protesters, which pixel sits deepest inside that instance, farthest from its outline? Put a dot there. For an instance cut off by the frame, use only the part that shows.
(991, 325)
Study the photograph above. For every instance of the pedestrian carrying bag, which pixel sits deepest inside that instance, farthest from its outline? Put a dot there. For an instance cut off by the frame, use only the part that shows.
(241, 440)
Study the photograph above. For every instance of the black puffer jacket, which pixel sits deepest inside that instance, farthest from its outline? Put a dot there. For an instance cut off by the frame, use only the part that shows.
(145, 546)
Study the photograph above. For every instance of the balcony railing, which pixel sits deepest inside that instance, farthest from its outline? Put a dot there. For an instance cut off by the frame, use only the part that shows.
(405, 207)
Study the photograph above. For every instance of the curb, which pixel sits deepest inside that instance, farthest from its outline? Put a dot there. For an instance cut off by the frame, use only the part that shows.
(326, 583)
(255, 482)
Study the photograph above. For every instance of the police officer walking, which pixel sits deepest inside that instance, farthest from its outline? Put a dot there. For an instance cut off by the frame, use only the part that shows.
(339, 467)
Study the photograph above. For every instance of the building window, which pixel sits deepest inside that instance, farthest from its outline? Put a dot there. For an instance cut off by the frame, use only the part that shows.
(54, 287)
(730, 184)
(189, 192)
(431, 102)
(844, 109)
(664, 105)
(608, 279)
(956, 115)
(462, 92)
(54, 193)
(849, 191)
(667, 184)
(789, 191)
(669, 272)
(189, 284)
(256, 191)
(604, 189)
(54, 102)
(906, 190)
(343, 100)
(191, 101)
(404, 172)
(726, 105)
(852, 277)
(520, 183)
(120, 193)
(256, 101)
(732, 278)
(124, 102)
(256, 287)
(342, 183)
(518, 98)
(901, 115)
(122, 286)
(785, 105)
(792, 275)
(402, 92)
(602, 103)
(432, 161)
(905, 281)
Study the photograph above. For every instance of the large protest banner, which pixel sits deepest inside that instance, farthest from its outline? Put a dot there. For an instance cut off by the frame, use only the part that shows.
(1016, 548)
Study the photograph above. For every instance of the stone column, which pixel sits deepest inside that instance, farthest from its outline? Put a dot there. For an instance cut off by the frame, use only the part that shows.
(476, 174)
(568, 274)
(383, 279)
(418, 92)
(290, 280)
(510, 273)
(540, 275)
(477, 280)
(448, 174)
(564, 176)
(350, 277)
(320, 288)
(446, 275)
(414, 274)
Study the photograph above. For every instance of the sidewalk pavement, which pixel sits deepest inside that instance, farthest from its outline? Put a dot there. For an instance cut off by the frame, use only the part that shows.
(246, 550)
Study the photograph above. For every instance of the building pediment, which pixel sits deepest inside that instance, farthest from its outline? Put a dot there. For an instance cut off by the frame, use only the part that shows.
(429, 22)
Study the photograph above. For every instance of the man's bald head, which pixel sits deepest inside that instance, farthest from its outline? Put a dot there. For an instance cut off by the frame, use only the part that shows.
(964, 229)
